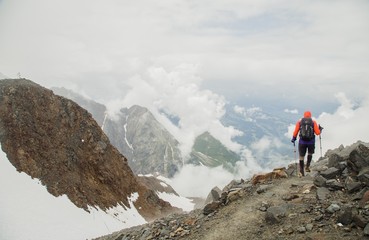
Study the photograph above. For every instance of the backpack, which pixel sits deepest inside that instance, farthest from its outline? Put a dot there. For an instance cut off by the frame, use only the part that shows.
(307, 129)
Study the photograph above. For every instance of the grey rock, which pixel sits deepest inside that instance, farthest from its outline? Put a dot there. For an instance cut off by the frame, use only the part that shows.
(211, 207)
(214, 195)
(363, 176)
(320, 181)
(366, 230)
(358, 158)
(309, 227)
(334, 160)
(360, 220)
(262, 189)
(331, 173)
(333, 208)
(351, 185)
(334, 184)
(272, 218)
(345, 216)
(276, 213)
(322, 193)
(301, 230)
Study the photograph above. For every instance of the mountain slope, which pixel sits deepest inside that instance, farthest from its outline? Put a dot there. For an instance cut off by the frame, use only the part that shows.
(331, 202)
(149, 147)
(58, 142)
(210, 152)
(29, 211)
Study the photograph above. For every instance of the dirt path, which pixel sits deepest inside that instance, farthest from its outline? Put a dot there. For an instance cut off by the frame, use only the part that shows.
(282, 209)
(243, 219)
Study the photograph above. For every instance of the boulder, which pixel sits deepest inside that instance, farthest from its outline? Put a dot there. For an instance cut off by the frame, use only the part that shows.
(331, 173)
(358, 158)
(345, 216)
(214, 195)
(320, 181)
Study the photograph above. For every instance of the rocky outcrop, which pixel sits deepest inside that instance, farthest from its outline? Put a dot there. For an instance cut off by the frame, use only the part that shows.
(312, 207)
(55, 140)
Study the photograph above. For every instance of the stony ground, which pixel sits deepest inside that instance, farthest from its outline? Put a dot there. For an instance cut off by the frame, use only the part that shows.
(288, 208)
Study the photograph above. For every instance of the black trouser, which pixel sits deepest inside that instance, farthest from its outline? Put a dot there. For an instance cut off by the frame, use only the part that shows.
(303, 148)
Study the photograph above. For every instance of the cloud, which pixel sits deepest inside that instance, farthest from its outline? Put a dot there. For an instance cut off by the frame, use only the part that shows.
(250, 114)
(346, 125)
(177, 93)
(244, 46)
(292, 111)
(197, 181)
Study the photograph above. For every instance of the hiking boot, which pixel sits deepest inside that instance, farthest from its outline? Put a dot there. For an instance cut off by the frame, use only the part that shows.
(301, 174)
(307, 169)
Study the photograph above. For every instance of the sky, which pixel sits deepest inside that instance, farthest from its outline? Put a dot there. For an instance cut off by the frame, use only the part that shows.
(189, 59)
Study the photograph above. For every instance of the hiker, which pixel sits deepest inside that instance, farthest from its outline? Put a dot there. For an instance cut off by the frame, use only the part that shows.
(308, 128)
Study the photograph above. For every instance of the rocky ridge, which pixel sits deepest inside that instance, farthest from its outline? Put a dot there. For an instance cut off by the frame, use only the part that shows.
(56, 141)
(330, 202)
(149, 147)
(134, 131)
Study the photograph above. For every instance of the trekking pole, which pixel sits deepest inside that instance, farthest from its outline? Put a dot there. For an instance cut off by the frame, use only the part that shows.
(320, 141)
(294, 150)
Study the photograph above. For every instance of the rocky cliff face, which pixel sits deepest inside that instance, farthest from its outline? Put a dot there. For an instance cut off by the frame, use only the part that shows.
(55, 140)
(147, 145)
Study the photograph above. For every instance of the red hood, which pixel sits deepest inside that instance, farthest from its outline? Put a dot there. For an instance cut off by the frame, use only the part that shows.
(307, 114)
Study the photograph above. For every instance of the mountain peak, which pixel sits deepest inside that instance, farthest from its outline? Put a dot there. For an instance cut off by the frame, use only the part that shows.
(55, 140)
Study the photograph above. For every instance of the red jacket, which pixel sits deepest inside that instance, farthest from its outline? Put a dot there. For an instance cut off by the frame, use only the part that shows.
(307, 114)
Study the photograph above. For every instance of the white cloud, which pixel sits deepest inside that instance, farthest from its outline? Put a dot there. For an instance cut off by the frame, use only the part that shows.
(178, 93)
(197, 181)
(250, 114)
(346, 125)
(244, 45)
(292, 111)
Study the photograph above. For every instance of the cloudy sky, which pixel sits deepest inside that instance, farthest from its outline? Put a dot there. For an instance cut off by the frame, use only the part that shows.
(189, 58)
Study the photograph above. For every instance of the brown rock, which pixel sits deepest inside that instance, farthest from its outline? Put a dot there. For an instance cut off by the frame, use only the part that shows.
(55, 140)
(275, 174)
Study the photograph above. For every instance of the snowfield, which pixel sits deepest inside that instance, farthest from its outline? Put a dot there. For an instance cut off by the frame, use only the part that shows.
(28, 211)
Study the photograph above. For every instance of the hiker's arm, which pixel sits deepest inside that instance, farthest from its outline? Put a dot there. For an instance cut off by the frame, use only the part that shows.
(297, 129)
(316, 128)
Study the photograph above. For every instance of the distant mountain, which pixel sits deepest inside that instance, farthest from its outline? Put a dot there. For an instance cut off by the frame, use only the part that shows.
(210, 152)
(149, 147)
(259, 123)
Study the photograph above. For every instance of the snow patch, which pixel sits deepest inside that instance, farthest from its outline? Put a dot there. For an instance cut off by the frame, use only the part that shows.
(177, 201)
(28, 211)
